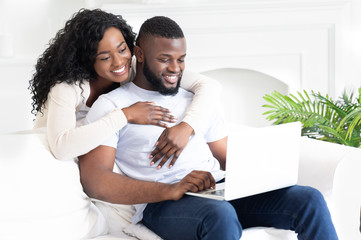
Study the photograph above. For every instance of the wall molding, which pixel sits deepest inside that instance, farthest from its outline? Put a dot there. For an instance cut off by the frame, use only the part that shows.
(212, 6)
(306, 32)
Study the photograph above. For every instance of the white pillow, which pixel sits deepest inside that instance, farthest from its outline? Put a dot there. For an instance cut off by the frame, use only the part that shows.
(119, 217)
(141, 232)
(41, 197)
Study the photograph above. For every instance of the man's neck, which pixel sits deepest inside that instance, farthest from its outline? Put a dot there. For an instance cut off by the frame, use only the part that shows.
(141, 81)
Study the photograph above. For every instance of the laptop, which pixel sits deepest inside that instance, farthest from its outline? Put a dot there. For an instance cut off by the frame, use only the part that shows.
(258, 160)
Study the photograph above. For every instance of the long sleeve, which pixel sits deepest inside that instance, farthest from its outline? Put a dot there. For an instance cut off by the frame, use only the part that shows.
(66, 140)
(206, 95)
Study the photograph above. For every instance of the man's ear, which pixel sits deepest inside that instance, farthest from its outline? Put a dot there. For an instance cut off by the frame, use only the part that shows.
(138, 52)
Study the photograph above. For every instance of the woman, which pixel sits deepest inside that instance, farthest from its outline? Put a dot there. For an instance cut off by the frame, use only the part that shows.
(76, 69)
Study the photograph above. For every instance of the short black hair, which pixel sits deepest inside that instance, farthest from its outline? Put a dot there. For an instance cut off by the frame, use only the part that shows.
(160, 26)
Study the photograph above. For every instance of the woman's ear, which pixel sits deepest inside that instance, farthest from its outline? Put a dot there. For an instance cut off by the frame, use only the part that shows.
(138, 52)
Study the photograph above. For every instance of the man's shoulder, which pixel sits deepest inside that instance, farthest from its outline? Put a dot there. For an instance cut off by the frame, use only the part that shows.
(106, 103)
(185, 94)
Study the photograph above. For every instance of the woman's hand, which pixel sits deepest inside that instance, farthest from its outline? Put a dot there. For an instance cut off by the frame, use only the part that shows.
(171, 143)
(147, 113)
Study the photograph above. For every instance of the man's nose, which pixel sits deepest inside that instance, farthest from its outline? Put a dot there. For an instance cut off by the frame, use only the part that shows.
(174, 66)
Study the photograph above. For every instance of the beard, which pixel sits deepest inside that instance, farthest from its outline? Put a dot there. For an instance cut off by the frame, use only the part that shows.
(157, 82)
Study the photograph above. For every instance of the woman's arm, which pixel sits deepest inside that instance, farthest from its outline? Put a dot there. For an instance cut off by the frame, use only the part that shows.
(207, 93)
(67, 140)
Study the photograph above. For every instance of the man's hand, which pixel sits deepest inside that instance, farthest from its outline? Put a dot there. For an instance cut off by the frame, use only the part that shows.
(171, 143)
(194, 182)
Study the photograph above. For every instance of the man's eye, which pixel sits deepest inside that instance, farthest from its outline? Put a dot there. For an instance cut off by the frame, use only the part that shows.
(164, 60)
(181, 60)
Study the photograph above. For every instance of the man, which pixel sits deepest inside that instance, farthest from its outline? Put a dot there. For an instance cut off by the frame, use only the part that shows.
(160, 53)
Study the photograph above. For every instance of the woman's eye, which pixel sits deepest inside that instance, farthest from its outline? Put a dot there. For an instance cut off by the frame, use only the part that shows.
(105, 58)
(123, 50)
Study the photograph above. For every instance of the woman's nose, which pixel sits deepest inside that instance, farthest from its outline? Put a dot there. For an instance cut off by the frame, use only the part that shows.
(117, 60)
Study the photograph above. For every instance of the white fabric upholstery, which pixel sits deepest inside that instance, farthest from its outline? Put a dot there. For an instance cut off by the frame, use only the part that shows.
(42, 198)
(335, 170)
(347, 196)
(243, 92)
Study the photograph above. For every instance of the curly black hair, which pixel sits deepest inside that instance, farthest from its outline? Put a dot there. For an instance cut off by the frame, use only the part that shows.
(70, 56)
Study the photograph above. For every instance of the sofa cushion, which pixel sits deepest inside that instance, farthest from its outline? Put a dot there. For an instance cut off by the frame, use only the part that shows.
(42, 197)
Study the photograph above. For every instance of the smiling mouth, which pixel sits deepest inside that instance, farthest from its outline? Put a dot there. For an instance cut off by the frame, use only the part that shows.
(119, 70)
(171, 78)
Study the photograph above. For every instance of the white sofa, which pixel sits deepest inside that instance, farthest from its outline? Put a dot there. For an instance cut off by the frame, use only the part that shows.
(42, 198)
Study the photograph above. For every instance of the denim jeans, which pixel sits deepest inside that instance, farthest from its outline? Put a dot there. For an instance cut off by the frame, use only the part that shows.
(298, 208)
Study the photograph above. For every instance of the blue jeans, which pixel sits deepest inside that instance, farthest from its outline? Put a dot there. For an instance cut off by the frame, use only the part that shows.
(298, 208)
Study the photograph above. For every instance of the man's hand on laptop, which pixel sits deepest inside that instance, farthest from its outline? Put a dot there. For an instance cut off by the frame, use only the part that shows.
(195, 181)
(171, 143)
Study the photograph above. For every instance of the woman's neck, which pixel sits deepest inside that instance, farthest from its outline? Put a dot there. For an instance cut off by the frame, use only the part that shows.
(98, 88)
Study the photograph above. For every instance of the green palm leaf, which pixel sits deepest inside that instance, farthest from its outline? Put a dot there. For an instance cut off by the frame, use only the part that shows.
(321, 116)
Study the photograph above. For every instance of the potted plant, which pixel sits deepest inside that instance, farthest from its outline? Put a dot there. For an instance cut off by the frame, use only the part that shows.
(322, 117)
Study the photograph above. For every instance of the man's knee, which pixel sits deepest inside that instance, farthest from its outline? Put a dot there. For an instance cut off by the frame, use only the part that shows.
(222, 210)
(314, 197)
(313, 202)
(223, 217)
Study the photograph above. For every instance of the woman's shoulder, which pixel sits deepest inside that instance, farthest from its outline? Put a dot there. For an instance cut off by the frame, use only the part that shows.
(65, 87)
(70, 90)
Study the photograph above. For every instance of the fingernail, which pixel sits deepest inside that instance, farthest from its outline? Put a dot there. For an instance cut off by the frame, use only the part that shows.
(150, 156)
(159, 167)
(151, 163)
(170, 166)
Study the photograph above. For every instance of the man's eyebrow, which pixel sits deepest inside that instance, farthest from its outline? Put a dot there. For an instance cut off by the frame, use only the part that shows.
(105, 52)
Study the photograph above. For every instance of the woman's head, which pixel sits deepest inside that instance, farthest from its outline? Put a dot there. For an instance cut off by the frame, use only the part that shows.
(113, 58)
(72, 54)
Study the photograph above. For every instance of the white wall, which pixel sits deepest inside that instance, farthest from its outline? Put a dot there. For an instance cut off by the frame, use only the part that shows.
(29, 25)
(309, 44)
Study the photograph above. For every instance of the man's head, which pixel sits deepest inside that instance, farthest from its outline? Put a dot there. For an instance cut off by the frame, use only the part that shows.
(160, 51)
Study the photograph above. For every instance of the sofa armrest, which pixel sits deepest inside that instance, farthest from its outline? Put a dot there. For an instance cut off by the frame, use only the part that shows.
(346, 197)
(318, 163)
(334, 169)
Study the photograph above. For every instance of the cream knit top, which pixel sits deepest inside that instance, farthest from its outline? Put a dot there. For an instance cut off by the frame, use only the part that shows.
(65, 109)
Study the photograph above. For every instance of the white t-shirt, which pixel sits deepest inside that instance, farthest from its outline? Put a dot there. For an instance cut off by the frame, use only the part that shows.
(134, 142)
